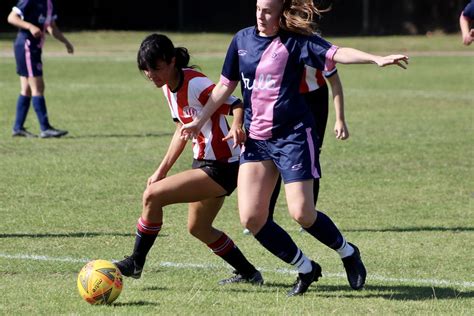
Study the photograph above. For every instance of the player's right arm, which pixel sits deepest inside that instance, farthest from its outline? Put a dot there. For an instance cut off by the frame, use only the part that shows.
(15, 19)
(340, 128)
(219, 95)
(175, 149)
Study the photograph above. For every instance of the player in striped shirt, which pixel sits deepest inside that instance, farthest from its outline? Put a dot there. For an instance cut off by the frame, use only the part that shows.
(268, 60)
(215, 165)
(34, 18)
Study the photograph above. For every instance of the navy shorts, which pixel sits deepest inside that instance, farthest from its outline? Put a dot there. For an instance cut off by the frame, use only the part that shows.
(28, 59)
(296, 155)
(223, 173)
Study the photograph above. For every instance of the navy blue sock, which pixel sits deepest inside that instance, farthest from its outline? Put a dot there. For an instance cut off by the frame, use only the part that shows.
(22, 107)
(326, 231)
(39, 103)
(277, 241)
(274, 198)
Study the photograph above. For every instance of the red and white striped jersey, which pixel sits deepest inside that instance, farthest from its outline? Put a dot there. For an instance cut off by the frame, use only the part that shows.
(187, 101)
(313, 79)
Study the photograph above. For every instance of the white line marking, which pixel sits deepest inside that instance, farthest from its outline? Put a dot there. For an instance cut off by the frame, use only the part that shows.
(432, 282)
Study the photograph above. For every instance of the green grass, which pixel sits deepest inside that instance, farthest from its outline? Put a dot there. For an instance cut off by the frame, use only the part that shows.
(400, 188)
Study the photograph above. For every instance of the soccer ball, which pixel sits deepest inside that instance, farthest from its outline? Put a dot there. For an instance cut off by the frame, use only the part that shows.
(99, 282)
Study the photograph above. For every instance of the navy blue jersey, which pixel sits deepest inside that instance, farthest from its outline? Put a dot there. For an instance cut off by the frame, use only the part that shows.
(270, 70)
(40, 13)
(469, 10)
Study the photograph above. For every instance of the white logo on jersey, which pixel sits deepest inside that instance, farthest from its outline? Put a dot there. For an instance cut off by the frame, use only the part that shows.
(274, 55)
(263, 83)
(242, 52)
(189, 111)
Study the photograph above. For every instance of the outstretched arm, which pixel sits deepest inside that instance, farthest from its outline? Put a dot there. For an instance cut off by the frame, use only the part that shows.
(340, 128)
(219, 94)
(347, 55)
(57, 34)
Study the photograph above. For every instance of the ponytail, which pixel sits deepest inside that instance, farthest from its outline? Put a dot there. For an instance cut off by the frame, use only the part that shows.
(299, 16)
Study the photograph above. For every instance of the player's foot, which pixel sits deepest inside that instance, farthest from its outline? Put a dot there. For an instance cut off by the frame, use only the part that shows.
(23, 133)
(52, 132)
(255, 278)
(129, 268)
(355, 269)
(304, 280)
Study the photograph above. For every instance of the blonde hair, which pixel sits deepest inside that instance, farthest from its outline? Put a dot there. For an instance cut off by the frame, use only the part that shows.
(298, 16)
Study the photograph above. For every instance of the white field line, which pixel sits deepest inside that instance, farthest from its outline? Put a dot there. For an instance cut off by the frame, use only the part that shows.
(431, 282)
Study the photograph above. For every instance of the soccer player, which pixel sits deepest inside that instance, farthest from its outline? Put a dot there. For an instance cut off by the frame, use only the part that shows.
(465, 21)
(268, 60)
(215, 166)
(34, 18)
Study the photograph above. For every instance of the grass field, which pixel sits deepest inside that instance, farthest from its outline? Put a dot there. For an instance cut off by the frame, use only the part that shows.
(401, 188)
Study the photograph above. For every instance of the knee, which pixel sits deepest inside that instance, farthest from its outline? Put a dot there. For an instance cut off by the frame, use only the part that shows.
(196, 230)
(303, 217)
(253, 222)
(152, 197)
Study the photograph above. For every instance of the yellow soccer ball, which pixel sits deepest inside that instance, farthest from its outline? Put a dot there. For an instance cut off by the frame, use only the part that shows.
(99, 282)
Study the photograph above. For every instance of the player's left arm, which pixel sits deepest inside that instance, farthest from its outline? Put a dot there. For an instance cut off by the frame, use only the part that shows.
(466, 31)
(347, 55)
(54, 30)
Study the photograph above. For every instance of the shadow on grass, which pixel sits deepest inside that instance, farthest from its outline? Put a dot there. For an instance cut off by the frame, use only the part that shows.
(397, 292)
(394, 292)
(135, 303)
(412, 229)
(118, 135)
(68, 235)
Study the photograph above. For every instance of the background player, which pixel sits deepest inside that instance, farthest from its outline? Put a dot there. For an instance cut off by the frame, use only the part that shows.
(465, 20)
(215, 165)
(34, 18)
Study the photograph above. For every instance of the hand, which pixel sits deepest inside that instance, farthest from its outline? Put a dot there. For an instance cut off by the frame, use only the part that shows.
(341, 131)
(238, 136)
(399, 60)
(190, 130)
(468, 38)
(69, 47)
(155, 177)
(35, 31)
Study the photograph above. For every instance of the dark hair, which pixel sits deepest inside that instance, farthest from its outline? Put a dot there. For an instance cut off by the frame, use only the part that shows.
(159, 47)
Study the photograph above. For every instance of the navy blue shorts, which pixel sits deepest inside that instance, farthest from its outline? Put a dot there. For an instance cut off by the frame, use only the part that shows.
(28, 59)
(223, 173)
(296, 155)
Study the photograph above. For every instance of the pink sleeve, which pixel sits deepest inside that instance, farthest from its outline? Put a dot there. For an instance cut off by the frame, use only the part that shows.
(330, 63)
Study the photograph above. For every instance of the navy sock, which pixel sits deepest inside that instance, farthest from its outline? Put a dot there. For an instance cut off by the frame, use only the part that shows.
(39, 103)
(144, 240)
(315, 191)
(22, 107)
(277, 241)
(326, 231)
(274, 198)
(225, 248)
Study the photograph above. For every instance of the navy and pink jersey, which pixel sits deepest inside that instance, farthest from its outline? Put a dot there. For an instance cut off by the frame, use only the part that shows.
(187, 101)
(40, 13)
(270, 71)
(468, 11)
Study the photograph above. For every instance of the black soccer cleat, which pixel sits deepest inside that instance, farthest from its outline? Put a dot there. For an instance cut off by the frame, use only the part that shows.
(304, 280)
(53, 133)
(129, 268)
(23, 133)
(255, 278)
(355, 269)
